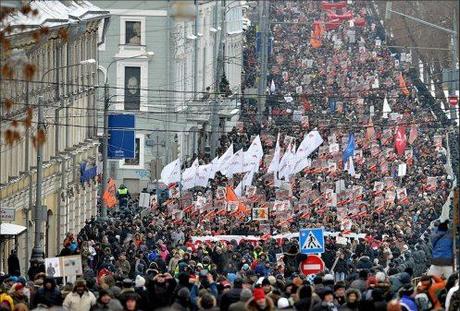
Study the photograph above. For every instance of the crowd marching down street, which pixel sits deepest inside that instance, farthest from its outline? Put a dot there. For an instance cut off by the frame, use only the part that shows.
(345, 145)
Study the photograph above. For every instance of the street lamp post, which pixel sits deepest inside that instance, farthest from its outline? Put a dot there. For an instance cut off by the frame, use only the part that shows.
(37, 251)
(105, 138)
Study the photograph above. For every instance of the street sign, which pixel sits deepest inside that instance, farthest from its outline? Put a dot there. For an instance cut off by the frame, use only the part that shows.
(453, 100)
(312, 265)
(311, 241)
(122, 142)
(8, 214)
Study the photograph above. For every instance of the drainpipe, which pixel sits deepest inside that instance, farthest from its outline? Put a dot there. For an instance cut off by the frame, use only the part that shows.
(29, 176)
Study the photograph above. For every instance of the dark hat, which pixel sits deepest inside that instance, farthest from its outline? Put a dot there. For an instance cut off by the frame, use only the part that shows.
(127, 283)
(265, 281)
(325, 291)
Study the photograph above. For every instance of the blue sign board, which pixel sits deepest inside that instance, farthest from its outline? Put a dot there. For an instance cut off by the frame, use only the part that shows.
(122, 141)
(311, 241)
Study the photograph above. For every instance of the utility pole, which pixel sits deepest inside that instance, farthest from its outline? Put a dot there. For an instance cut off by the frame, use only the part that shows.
(105, 150)
(453, 79)
(264, 12)
(218, 69)
(37, 251)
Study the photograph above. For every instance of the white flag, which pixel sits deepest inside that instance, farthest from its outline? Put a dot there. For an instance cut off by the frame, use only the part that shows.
(224, 160)
(214, 169)
(272, 87)
(188, 177)
(245, 182)
(350, 167)
(202, 175)
(275, 163)
(286, 162)
(253, 156)
(235, 165)
(309, 144)
(171, 172)
(386, 108)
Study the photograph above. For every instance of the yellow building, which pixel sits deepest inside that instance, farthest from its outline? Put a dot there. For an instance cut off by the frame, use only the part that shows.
(70, 107)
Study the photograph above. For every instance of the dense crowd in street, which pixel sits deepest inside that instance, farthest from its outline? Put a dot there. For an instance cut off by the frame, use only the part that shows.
(388, 248)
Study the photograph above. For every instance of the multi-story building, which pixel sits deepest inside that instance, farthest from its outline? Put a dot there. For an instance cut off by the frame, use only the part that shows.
(70, 110)
(171, 92)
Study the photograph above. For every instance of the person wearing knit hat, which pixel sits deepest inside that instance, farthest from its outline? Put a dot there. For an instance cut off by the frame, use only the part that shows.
(283, 304)
(17, 293)
(139, 282)
(260, 302)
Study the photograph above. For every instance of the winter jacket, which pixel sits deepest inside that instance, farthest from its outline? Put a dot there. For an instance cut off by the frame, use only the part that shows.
(47, 297)
(442, 254)
(74, 302)
(408, 303)
(323, 306)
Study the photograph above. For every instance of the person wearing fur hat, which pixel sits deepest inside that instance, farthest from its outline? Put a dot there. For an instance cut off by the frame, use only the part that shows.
(352, 298)
(260, 302)
(80, 299)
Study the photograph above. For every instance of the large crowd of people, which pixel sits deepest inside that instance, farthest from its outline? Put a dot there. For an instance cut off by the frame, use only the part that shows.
(388, 247)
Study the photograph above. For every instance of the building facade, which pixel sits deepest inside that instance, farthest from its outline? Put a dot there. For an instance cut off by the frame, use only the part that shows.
(70, 152)
(170, 93)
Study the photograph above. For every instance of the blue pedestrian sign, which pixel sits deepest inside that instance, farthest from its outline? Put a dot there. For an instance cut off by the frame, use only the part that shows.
(311, 241)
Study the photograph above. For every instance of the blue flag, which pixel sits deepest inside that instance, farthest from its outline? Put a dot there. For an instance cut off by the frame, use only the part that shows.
(332, 105)
(350, 150)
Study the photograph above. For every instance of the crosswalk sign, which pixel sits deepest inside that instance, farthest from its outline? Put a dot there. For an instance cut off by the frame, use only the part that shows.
(311, 241)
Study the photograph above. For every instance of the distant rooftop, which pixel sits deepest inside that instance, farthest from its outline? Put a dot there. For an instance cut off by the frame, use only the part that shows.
(53, 13)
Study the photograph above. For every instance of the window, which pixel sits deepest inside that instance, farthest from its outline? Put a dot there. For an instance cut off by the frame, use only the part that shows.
(133, 32)
(132, 88)
(136, 160)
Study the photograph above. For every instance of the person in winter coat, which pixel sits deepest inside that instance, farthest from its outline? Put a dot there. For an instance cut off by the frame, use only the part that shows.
(131, 302)
(240, 305)
(260, 302)
(353, 298)
(80, 299)
(160, 290)
(432, 285)
(406, 301)
(304, 294)
(361, 282)
(292, 260)
(107, 302)
(18, 294)
(48, 295)
(232, 295)
(182, 301)
(13, 264)
(442, 254)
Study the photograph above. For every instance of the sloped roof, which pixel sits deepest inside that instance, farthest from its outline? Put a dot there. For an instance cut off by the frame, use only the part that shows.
(53, 13)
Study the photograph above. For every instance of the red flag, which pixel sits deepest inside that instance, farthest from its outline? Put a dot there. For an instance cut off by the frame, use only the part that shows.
(413, 134)
(400, 140)
(231, 197)
(402, 85)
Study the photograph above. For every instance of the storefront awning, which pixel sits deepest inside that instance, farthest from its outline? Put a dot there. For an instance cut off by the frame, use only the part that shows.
(11, 229)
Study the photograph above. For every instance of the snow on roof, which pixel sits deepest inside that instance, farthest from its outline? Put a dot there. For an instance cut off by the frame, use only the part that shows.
(11, 229)
(53, 13)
